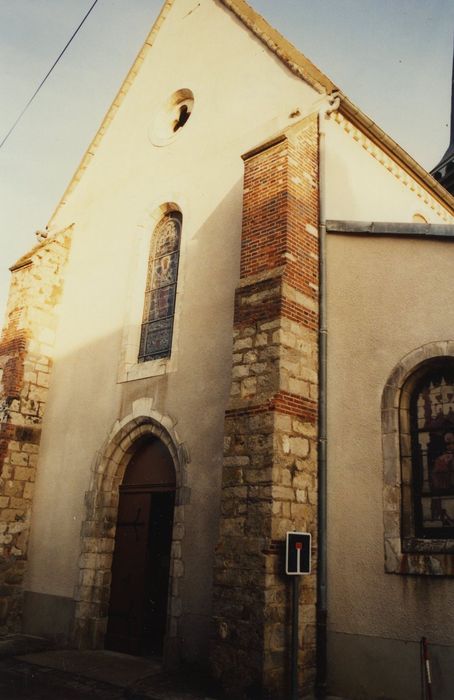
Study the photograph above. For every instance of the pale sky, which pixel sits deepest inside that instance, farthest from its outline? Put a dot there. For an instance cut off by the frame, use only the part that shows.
(393, 58)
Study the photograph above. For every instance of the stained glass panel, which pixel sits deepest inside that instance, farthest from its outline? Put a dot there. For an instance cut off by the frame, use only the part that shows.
(165, 270)
(162, 303)
(433, 455)
(156, 338)
(168, 237)
(159, 306)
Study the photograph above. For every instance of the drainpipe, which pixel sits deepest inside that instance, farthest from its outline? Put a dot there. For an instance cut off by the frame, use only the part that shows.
(334, 101)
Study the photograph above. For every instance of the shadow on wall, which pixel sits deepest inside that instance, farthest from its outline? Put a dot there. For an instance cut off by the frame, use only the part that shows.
(83, 403)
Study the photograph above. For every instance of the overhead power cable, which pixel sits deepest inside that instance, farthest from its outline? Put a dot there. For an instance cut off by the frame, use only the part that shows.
(45, 77)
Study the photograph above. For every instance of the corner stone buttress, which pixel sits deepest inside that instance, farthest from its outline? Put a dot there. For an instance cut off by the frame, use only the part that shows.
(270, 457)
(26, 351)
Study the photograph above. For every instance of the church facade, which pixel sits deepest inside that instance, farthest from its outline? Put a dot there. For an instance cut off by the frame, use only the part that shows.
(236, 325)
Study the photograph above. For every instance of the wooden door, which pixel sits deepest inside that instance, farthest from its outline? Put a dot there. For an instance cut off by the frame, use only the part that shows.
(141, 559)
(158, 569)
(129, 584)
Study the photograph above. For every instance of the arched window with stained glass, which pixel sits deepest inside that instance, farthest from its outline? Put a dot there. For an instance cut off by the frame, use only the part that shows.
(161, 288)
(432, 450)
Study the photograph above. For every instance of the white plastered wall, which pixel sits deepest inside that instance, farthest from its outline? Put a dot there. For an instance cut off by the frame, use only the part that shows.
(386, 297)
(363, 183)
(204, 48)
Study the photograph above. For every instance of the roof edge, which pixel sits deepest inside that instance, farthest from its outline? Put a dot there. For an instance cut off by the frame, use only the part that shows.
(298, 64)
(292, 57)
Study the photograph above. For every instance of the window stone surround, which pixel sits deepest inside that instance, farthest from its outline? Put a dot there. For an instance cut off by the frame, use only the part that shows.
(405, 553)
(129, 368)
(92, 593)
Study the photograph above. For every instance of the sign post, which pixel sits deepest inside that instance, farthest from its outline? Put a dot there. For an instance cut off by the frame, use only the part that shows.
(297, 563)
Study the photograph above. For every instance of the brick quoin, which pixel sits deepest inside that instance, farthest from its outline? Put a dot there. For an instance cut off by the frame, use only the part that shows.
(269, 474)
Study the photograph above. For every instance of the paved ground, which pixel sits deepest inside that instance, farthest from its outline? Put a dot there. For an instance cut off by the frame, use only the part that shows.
(78, 675)
(23, 679)
(30, 672)
(20, 681)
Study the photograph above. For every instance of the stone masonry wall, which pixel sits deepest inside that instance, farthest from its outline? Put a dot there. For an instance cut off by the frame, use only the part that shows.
(269, 473)
(25, 364)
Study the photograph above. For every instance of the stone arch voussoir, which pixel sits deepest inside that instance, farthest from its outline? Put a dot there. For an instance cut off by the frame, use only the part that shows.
(98, 528)
(395, 429)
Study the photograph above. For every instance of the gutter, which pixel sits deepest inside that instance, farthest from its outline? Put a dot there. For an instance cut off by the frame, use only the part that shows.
(322, 606)
(394, 229)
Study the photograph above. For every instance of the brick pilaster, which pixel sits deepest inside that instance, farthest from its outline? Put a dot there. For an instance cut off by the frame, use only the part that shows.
(269, 473)
(26, 348)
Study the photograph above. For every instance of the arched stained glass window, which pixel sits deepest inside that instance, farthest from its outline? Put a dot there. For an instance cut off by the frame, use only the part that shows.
(160, 292)
(432, 451)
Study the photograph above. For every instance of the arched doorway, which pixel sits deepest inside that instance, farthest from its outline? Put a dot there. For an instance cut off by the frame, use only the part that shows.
(141, 559)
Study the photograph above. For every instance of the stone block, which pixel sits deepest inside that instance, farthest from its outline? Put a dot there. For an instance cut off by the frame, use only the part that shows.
(232, 526)
(270, 325)
(312, 496)
(301, 495)
(275, 637)
(283, 493)
(24, 474)
(276, 507)
(7, 470)
(240, 371)
(261, 339)
(284, 338)
(299, 446)
(304, 428)
(303, 480)
(232, 476)
(18, 503)
(242, 344)
(19, 459)
(30, 448)
(177, 567)
(283, 422)
(13, 514)
(37, 393)
(259, 367)
(285, 477)
(250, 357)
(13, 488)
(303, 513)
(88, 560)
(248, 387)
(178, 531)
(43, 379)
(86, 579)
(270, 352)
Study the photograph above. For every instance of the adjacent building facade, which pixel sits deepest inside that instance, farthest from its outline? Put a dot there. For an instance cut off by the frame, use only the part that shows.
(237, 325)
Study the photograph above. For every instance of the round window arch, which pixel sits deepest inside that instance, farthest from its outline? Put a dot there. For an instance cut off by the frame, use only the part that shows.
(172, 117)
(429, 394)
